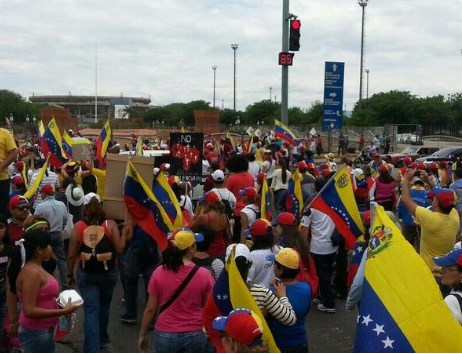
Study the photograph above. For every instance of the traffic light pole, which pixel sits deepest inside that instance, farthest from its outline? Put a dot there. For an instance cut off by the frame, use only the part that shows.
(284, 68)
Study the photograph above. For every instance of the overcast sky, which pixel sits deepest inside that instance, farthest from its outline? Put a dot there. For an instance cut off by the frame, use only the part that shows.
(165, 49)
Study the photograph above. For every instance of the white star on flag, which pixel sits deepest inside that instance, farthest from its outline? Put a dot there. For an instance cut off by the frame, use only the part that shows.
(366, 320)
(388, 343)
(378, 329)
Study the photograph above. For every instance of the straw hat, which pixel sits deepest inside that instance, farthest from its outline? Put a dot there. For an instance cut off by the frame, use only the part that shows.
(74, 195)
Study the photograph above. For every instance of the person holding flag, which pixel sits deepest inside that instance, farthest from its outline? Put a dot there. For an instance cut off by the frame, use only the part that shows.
(8, 154)
(102, 144)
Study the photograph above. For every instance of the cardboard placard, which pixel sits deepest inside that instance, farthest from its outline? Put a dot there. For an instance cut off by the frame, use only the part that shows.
(81, 152)
(116, 165)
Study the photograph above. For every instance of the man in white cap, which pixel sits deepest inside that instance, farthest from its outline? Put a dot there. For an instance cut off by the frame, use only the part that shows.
(218, 178)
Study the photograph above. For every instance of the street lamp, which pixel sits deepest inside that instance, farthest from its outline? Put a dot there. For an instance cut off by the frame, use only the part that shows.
(234, 48)
(214, 77)
(363, 4)
(271, 89)
(367, 83)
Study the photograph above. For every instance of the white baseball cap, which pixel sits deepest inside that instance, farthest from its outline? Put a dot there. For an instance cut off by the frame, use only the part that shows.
(218, 176)
(241, 250)
(88, 197)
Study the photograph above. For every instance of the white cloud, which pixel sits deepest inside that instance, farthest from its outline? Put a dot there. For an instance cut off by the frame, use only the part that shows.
(166, 49)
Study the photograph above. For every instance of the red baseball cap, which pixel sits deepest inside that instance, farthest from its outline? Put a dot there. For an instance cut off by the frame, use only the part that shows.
(285, 218)
(421, 166)
(260, 227)
(445, 196)
(18, 180)
(249, 192)
(302, 166)
(210, 197)
(443, 164)
(19, 165)
(17, 201)
(407, 160)
(47, 189)
(242, 325)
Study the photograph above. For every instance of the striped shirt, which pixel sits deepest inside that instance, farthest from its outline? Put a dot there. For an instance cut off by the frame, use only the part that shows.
(49, 178)
(280, 309)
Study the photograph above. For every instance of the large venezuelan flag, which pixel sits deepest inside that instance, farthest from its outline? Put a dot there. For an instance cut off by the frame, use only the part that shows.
(51, 143)
(401, 305)
(102, 143)
(167, 202)
(282, 131)
(337, 200)
(141, 205)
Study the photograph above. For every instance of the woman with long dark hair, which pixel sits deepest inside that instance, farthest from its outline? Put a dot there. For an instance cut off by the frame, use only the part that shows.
(177, 291)
(37, 291)
(94, 242)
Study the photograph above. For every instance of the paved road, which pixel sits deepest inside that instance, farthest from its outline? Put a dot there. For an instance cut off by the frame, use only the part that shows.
(332, 333)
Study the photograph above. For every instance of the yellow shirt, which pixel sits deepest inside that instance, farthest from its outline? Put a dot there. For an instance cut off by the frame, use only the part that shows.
(439, 232)
(6, 145)
(101, 175)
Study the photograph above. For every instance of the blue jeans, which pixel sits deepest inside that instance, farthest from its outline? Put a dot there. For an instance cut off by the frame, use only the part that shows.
(37, 340)
(96, 290)
(185, 342)
(137, 261)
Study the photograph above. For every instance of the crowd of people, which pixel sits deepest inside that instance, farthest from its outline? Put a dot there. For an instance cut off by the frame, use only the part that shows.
(60, 238)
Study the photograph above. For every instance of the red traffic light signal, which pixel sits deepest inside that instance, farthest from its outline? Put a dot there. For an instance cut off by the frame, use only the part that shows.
(295, 24)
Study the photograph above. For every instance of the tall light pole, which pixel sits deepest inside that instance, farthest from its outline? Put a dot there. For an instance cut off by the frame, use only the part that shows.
(271, 89)
(214, 76)
(234, 48)
(367, 83)
(363, 4)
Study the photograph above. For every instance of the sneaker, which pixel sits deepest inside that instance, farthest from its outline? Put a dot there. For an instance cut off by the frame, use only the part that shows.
(316, 301)
(127, 319)
(323, 308)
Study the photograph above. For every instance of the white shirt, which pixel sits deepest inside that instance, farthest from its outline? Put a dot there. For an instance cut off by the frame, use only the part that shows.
(254, 168)
(268, 167)
(251, 211)
(186, 203)
(454, 305)
(261, 272)
(52, 179)
(322, 228)
(276, 182)
(226, 194)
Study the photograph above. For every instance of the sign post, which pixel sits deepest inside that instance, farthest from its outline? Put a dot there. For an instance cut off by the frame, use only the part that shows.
(333, 96)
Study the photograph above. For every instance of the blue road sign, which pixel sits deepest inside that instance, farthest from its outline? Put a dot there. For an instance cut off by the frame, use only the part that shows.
(333, 95)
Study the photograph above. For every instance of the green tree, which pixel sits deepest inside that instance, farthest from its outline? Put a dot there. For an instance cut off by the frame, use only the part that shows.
(265, 110)
(13, 103)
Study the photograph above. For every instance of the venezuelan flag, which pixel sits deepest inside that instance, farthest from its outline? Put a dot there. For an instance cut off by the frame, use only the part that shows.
(67, 145)
(51, 142)
(102, 143)
(265, 206)
(358, 251)
(401, 306)
(250, 144)
(141, 205)
(167, 202)
(294, 197)
(34, 187)
(283, 132)
(231, 139)
(337, 200)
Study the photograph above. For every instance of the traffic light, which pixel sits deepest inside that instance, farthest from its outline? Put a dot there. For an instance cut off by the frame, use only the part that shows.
(294, 41)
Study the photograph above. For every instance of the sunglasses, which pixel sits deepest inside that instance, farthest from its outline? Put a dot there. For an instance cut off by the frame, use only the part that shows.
(25, 207)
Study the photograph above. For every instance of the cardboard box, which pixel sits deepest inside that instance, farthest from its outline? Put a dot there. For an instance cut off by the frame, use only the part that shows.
(116, 165)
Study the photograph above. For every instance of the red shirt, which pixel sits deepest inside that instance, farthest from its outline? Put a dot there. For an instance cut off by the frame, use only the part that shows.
(15, 232)
(236, 182)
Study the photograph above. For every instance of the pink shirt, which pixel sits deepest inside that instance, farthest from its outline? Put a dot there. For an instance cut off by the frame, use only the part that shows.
(236, 182)
(46, 299)
(185, 313)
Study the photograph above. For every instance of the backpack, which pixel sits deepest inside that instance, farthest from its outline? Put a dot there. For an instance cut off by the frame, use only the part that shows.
(228, 210)
(96, 250)
(206, 263)
(257, 213)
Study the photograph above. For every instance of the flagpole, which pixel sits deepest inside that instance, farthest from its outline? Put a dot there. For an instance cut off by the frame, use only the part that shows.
(96, 82)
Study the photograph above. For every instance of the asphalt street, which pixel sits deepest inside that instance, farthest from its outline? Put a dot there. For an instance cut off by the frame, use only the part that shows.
(327, 333)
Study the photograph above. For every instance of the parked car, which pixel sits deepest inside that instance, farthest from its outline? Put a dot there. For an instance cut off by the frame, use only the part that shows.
(449, 153)
(413, 152)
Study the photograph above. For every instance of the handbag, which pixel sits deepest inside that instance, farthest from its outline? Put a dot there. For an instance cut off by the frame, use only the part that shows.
(179, 290)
